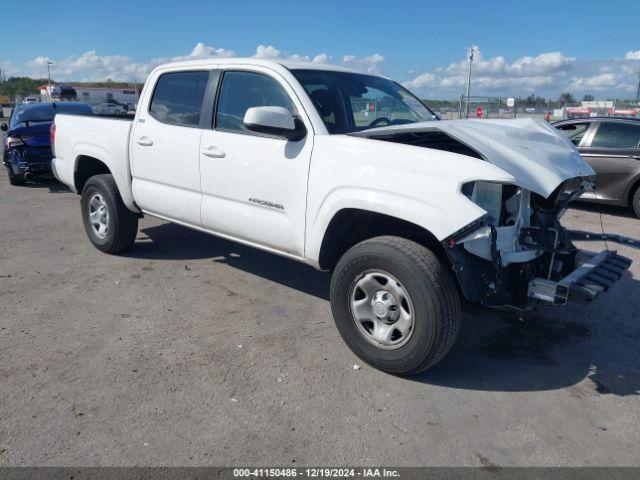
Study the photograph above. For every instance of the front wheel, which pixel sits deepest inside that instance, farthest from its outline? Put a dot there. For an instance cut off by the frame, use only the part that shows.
(395, 304)
(635, 202)
(109, 224)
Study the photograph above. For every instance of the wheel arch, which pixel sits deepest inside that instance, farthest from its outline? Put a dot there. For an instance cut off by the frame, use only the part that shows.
(634, 185)
(350, 226)
(86, 166)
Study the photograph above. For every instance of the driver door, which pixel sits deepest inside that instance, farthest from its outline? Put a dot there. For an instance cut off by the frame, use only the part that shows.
(254, 186)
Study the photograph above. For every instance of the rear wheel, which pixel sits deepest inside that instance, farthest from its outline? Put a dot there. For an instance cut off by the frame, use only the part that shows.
(14, 179)
(635, 201)
(395, 304)
(109, 224)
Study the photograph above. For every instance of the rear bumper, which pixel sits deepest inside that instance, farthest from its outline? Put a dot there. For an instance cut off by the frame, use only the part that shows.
(595, 274)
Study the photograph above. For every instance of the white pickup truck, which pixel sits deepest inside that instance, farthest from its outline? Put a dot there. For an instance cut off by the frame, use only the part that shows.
(350, 173)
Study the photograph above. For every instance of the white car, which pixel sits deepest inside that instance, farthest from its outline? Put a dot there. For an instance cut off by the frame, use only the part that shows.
(110, 108)
(31, 100)
(352, 174)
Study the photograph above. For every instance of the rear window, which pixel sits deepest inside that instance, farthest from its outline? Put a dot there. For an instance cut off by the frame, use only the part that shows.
(177, 98)
(617, 135)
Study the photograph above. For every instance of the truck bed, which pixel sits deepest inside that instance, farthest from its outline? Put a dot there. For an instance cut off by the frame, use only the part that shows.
(104, 137)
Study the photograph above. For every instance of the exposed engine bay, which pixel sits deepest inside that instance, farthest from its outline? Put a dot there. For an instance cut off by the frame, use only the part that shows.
(519, 254)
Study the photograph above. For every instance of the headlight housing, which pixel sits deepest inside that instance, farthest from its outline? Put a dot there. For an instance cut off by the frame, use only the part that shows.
(501, 201)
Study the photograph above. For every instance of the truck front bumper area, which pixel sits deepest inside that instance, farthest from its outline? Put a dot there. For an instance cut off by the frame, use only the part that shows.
(595, 274)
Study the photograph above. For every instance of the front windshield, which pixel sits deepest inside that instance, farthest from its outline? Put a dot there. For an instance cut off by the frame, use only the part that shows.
(351, 102)
(33, 114)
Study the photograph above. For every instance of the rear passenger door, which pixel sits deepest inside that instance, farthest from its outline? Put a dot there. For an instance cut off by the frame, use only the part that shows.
(613, 153)
(165, 146)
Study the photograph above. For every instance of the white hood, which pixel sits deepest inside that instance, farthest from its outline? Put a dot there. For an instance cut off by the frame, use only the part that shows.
(532, 151)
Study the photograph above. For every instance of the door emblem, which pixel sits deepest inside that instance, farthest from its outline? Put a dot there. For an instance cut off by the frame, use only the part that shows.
(266, 203)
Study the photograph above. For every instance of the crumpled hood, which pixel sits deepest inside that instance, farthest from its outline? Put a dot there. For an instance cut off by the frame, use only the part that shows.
(536, 154)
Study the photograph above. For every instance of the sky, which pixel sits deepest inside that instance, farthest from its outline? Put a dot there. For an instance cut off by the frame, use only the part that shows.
(541, 47)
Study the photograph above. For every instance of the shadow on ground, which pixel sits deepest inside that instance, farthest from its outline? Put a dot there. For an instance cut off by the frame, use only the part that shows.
(548, 350)
(552, 348)
(53, 185)
(174, 242)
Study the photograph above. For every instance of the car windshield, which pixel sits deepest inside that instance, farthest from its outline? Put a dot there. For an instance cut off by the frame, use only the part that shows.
(350, 102)
(30, 114)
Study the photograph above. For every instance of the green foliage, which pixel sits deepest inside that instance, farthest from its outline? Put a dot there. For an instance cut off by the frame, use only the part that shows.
(22, 86)
(566, 99)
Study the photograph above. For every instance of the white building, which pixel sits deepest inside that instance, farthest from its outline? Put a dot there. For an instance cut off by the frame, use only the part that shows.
(98, 95)
(93, 95)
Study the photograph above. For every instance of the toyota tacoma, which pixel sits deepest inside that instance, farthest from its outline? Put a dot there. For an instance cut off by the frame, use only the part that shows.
(352, 174)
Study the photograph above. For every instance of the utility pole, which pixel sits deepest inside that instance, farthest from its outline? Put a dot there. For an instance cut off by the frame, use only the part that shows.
(466, 108)
(638, 90)
(49, 63)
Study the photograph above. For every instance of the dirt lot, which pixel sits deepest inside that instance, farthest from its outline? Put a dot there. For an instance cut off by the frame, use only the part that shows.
(192, 350)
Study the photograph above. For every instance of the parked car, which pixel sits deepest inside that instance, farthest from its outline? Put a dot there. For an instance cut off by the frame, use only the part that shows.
(27, 146)
(31, 100)
(612, 147)
(110, 108)
(408, 212)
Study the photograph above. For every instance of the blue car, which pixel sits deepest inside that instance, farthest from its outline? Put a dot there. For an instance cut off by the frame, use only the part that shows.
(27, 145)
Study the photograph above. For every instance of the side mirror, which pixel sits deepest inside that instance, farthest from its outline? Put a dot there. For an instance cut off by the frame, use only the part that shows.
(274, 121)
(4, 127)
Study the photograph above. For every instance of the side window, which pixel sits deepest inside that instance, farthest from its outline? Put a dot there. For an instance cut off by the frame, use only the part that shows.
(617, 135)
(177, 98)
(243, 90)
(575, 131)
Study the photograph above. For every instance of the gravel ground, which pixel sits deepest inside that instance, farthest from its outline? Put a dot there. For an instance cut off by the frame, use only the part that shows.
(191, 350)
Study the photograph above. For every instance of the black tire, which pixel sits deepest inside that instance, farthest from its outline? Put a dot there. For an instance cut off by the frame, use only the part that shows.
(15, 180)
(431, 288)
(635, 202)
(122, 223)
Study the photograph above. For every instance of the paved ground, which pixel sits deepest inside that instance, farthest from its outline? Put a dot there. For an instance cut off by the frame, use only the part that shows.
(192, 350)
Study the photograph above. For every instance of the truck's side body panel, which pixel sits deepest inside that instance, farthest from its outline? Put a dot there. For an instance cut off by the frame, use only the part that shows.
(419, 185)
(105, 139)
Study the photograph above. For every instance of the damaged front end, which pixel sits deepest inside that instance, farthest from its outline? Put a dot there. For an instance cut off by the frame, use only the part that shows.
(519, 254)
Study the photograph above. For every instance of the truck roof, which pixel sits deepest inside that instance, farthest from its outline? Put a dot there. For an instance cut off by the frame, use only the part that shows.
(288, 64)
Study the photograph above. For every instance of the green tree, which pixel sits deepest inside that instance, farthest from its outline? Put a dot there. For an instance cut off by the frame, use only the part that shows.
(588, 98)
(566, 98)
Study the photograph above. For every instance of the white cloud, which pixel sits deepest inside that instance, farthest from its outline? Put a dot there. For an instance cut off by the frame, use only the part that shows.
(371, 64)
(321, 58)
(546, 74)
(90, 66)
(599, 82)
(422, 80)
(267, 52)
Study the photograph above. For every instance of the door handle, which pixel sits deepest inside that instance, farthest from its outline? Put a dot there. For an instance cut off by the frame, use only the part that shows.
(144, 141)
(213, 152)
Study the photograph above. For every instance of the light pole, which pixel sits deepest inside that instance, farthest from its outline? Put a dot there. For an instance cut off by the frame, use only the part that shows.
(49, 63)
(638, 90)
(466, 108)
